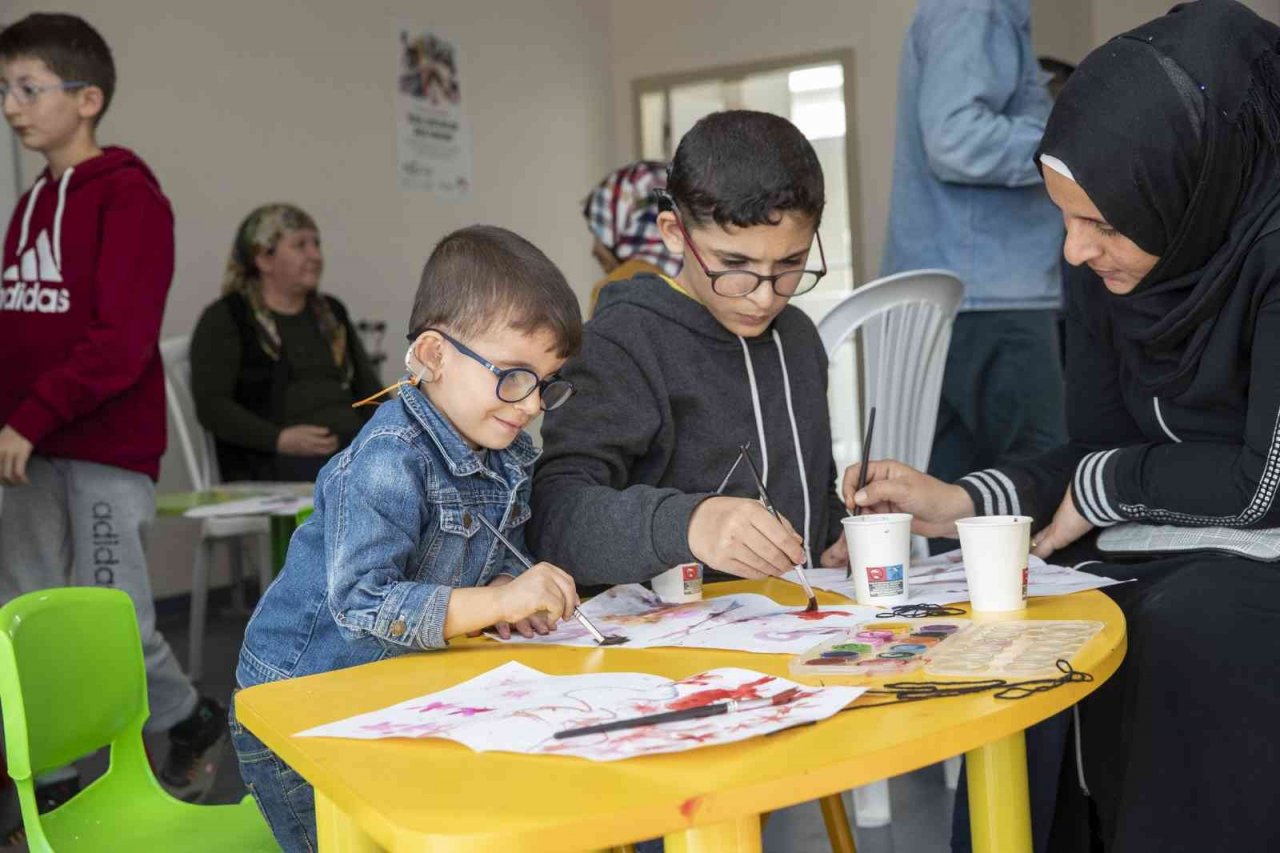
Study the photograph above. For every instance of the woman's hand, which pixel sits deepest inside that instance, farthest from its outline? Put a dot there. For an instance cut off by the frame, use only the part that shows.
(1067, 526)
(895, 487)
(306, 440)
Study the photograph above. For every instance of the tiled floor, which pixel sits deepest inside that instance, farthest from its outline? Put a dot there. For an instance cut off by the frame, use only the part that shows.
(921, 802)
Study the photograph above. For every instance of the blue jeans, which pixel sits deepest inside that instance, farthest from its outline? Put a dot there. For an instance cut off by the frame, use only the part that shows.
(285, 799)
(1002, 392)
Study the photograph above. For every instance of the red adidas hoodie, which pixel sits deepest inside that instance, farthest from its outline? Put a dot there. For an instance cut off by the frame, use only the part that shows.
(88, 260)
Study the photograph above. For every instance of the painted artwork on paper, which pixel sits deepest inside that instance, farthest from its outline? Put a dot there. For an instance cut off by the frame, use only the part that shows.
(515, 708)
(940, 580)
(740, 622)
(774, 629)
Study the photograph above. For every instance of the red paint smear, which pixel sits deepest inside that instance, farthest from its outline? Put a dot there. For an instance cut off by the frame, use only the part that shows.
(689, 806)
(817, 615)
(719, 694)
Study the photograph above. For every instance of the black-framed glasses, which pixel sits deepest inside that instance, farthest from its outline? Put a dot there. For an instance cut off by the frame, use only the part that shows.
(515, 383)
(26, 93)
(738, 283)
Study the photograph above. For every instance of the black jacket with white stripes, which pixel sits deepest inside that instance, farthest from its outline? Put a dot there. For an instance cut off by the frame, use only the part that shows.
(1207, 457)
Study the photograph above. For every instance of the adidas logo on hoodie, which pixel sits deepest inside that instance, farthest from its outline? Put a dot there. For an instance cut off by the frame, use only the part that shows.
(30, 291)
(37, 267)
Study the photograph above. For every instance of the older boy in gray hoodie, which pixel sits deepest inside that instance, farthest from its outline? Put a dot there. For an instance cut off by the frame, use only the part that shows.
(677, 373)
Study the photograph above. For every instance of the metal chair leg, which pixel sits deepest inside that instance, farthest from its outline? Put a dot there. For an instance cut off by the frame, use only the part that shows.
(236, 547)
(199, 609)
(262, 557)
(871, 805)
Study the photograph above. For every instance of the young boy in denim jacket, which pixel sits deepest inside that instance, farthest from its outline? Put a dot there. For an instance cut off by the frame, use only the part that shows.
(395, 558)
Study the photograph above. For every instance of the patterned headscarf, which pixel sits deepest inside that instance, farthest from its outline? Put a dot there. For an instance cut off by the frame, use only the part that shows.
(623, 213)
(260, 232)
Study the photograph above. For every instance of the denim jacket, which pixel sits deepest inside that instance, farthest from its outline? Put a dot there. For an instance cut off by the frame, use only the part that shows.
(394, 532)
(966, 192)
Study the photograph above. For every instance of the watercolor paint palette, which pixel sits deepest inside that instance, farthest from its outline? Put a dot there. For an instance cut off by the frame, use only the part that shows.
(879, 648)
(1020, 649)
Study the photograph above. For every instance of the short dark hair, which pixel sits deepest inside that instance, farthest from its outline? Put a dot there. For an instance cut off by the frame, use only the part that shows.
(68, 45)
(743, 168)
(483, 275)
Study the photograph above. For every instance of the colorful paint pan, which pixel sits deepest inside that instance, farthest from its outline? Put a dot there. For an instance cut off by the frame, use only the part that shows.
(878, 649)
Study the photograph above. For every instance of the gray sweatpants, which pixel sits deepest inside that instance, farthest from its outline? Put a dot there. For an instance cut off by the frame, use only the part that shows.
(80, 524)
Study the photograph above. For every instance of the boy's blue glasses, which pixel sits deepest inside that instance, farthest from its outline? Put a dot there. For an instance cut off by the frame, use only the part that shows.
(516, 383)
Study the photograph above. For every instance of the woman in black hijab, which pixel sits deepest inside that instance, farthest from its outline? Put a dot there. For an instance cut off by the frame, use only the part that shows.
(1161, 152)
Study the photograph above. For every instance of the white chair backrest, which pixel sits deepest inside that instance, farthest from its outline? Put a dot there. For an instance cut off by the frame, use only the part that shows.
(196, 442)
(905, 320)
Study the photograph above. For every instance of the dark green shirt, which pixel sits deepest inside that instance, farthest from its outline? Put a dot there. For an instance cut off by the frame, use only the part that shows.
(313, 395)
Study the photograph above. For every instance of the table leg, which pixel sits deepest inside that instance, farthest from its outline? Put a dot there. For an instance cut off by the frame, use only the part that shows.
(740, 835)
(336, 832)
(837, 821)
(999, 805)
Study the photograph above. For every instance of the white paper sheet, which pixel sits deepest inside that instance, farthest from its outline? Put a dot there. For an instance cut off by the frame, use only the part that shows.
(742, 622)
(515, 708)
(260, 505)
(940, 580)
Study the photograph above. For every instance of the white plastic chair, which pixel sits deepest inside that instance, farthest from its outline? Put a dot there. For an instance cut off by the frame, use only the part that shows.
(905, 321)
(202, 466)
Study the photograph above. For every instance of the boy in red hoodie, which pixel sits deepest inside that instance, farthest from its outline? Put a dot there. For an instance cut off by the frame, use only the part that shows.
(86, 267)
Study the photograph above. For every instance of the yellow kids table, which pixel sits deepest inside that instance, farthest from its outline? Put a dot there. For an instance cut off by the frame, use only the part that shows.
(436, 795)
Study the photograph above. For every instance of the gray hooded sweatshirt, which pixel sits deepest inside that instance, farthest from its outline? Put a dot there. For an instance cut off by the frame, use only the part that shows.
(665, 397)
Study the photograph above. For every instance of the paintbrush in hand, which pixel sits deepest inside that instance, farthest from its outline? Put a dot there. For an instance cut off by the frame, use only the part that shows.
(866, 459)
(768, 504)
(600, 637)
(714, 709)
(742, 451)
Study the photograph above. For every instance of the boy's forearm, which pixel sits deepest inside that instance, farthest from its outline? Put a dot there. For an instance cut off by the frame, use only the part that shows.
(473, 609)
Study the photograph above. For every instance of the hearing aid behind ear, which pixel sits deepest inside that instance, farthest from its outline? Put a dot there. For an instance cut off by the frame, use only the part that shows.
(410, 360)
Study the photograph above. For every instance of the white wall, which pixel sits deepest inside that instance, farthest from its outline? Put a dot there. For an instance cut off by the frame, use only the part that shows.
(1062, 29)
(661, 37)
(674, 36)
(238, 102)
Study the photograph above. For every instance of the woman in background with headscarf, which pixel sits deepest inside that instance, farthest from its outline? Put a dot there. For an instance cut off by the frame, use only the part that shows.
(276, 365)
(622, 213)
(1163, 154)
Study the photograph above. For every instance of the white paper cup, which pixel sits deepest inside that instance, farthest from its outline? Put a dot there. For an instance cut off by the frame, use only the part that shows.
(879, 557)
(995, 550)
(680, 584)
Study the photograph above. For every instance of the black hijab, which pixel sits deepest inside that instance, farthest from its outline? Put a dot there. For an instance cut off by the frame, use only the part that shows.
(1172, 131)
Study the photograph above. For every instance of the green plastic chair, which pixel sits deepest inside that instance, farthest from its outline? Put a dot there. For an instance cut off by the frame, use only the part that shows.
(71, 682)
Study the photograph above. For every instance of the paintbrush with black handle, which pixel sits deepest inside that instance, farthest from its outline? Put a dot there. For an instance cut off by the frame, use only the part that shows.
(768, 504)
(866, 459)
(600, 637)
(712, 710)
